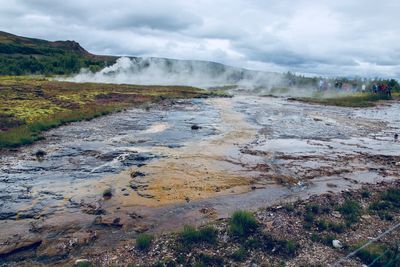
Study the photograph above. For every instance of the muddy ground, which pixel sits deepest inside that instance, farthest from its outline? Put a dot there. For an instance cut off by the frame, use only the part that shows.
(182, 162)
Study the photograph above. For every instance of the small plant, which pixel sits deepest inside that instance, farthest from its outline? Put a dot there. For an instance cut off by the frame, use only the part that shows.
(289, 207)
(209, 260)
(107, 193)
(365, 194)
(323, 225)
(377, 255)
(239, 254)
(385, 215)
(351, 211)
(143, 241)
(242, 223)
(286, 248)
(191, 235)
(309, 217)
(314, 208)
(393, 196)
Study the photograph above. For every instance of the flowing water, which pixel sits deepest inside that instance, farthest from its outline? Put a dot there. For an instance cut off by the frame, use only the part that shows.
(248, 152)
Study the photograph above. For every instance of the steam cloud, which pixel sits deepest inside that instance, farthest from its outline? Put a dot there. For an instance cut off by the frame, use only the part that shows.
(161, 71)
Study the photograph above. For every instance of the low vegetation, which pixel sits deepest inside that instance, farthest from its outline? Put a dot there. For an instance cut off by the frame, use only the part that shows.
(242, 224)
(31, 105)
(351, 211)
(352, 100)
(143, 241)
(190, 235)
(376, 255)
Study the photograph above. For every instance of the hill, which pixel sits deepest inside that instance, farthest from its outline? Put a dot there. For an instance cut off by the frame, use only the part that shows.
(22, 55)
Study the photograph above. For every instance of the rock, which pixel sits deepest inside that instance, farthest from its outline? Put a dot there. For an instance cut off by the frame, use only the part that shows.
(137, 174)
(107, 194)
(40, 153)
(366, 217)
(331, 185)
(82, 262)
(108, 221)
(336, 214)
(92, 209)
(141, 228)
(187, 199)
(15, 246)
(195, 127)
(337, 244)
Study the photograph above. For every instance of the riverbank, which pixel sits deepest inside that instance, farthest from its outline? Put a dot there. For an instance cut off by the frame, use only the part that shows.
(302, 233)
(31, 105)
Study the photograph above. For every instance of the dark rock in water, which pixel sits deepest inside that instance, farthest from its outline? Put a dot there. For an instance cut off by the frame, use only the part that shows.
(107, 193)
(137, 159)
(40, 154)
(137, 174)
(396, 136)
(195, 127)
(7, 215)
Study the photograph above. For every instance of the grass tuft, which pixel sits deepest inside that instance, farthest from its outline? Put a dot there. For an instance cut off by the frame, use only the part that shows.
(143, 241)
(242, 224)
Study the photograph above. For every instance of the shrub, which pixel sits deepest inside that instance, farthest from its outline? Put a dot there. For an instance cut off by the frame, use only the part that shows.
(191, 235)
(242, 223)
(239, 254)
(331, 226)
(209, 260)
(314, 208)
(369, 255)
(380, 205)
(286, 248)
(143, 241)
(384, 215)
(309, 217)
(365, 194)
(393, 196)
(351, 211)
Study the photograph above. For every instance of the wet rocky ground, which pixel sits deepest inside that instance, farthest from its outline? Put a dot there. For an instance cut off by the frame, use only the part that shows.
(182, 162)
(313, 232)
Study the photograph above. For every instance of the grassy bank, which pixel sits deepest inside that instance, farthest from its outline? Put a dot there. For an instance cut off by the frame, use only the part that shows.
(318, 231)
(31, 105)
(354, 100)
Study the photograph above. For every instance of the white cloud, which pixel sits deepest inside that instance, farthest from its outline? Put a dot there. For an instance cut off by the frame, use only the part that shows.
(344, 37)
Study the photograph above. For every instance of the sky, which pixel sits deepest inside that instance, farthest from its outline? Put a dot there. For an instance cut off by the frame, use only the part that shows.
(328, 38)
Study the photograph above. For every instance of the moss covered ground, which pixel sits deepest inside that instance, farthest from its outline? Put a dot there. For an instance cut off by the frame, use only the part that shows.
(30, 105)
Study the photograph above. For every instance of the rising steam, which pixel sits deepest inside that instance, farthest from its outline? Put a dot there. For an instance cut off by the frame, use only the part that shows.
(160, 71)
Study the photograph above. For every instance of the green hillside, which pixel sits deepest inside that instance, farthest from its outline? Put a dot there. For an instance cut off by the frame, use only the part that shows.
(22, 56)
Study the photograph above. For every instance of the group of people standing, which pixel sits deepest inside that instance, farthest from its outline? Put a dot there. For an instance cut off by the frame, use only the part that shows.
(375, 87)
(381, 88)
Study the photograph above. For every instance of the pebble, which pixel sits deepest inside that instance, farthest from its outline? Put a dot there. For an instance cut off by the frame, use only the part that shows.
(336, 244)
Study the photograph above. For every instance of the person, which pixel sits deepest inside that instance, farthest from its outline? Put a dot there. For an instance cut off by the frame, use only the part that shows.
(375, 88)
(320, 84)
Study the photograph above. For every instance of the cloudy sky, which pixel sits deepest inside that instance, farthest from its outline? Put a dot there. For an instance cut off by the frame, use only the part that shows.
(342, 37)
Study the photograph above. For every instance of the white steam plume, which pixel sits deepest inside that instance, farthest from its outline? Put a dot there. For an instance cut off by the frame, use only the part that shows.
(160, 71)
